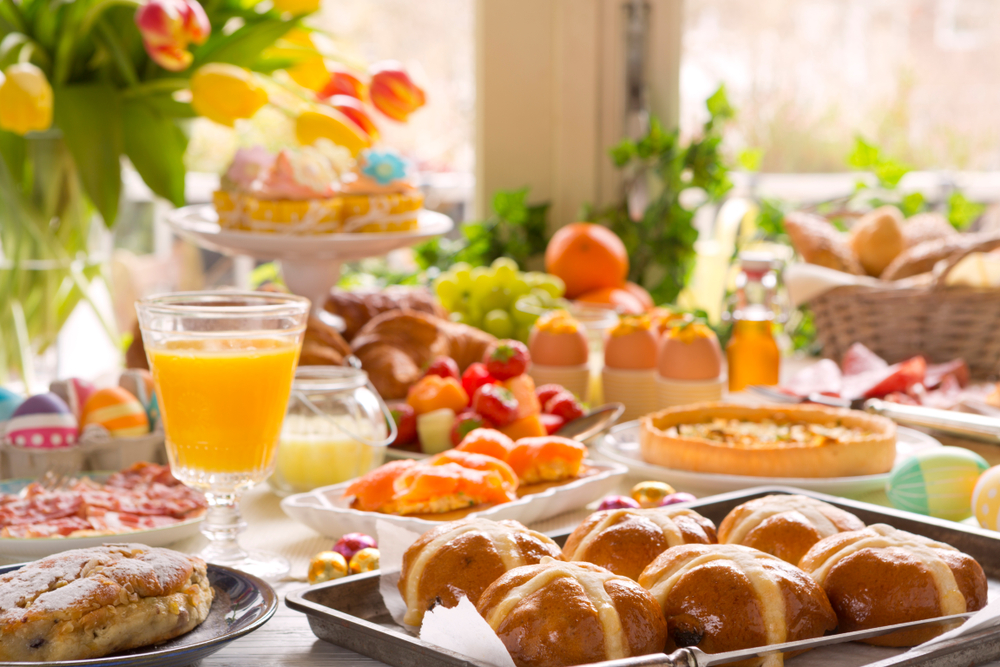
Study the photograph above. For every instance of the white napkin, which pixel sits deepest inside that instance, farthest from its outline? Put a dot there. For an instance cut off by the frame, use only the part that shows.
(807, 281)
(460, 629)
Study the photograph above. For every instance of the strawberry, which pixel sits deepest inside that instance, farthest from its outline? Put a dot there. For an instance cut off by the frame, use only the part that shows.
(474, 377)
(465, 423)
(552, 423)
(406, 423)
(506, 359)
(564, 405)
(547, 391)
(496, 404)
(443, 366)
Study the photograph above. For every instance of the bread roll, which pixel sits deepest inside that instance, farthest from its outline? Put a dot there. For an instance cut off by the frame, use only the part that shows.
(625, 541)
(725, 597)
(882, 576)
(556, 614)
(785, 526)
(927, 227)
(877, 239)
(819, 243)
(464, 558)
(921, 258)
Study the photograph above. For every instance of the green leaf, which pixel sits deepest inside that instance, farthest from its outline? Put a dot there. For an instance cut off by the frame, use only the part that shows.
(890, 172)
(90, 118)
(719, 106)
(244, 46)
(623, 153)
(155, 145)
(750, 158)
(962, 212)
(912, 204)
(864, 155)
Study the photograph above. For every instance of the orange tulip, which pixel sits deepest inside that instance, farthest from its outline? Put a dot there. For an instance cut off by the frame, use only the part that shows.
(393, 92)
(354, 109)
(343, 82)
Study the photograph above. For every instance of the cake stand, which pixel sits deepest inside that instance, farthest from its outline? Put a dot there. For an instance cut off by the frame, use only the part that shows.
(309, 264)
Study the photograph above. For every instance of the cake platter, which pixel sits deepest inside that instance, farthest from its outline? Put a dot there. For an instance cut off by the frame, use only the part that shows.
(621, 444)
(310, 264)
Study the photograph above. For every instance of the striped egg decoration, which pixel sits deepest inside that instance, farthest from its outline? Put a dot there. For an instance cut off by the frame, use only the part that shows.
(937, 482)
(75, 392)
(139, 383)
(116, 410)
(42, 422)
(986, 499)
(9, 401)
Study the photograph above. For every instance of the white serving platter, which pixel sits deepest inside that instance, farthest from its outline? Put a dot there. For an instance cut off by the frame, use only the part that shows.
(38, 547)
(327, 512)
(621, 445)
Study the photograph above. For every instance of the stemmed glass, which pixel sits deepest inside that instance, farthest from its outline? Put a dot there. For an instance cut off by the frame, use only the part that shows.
(223, 364)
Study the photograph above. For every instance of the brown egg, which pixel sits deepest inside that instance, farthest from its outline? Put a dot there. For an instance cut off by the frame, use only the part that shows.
(690, 352)
(558, 349)
(635, 350)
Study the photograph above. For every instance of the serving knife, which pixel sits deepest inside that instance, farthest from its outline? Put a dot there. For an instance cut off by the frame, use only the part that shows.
(693, 657)
(961, 424)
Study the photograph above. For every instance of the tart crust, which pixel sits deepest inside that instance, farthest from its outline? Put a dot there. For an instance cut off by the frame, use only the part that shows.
(871, 454)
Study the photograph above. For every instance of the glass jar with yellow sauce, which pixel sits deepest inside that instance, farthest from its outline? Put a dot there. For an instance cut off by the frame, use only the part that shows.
(336, 428)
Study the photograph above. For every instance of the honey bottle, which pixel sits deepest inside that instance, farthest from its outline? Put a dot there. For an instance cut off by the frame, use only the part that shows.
(752, 353)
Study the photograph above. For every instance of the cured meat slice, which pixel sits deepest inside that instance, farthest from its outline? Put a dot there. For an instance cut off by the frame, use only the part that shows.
(859, 359)
(823, 377)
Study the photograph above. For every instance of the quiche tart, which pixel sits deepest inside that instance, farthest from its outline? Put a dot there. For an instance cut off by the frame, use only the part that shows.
(769, 440)
(88, 603)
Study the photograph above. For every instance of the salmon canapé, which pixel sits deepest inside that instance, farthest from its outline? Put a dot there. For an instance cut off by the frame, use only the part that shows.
(487, 441)
(477, 462)
(546, 459)
(375, 489)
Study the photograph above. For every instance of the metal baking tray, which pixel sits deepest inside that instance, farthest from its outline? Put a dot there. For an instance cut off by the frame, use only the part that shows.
(349, 612)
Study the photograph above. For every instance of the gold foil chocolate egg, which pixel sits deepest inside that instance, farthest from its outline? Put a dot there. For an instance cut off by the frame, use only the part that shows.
(365, 560)
(649, 494)
(326, 566)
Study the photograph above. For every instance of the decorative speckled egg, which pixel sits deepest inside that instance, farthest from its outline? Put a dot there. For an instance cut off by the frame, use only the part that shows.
(8, 403)
(153, 411)
(116, 410)
(649, 494)
(326, 566)
(937, 482)
(617, 503)
(365, 560)
(43, 422)
(75, 392)
(986, 499)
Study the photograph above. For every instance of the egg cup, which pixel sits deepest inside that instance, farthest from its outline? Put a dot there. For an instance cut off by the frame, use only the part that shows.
(670, 393)
(635, 389)
(575, 379)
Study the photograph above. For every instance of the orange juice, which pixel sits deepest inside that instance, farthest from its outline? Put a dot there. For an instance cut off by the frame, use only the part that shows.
(223, 402)
(752, 355)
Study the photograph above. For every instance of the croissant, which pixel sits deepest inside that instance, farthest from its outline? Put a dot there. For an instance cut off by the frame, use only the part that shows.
(357, 308)
(820, 243)
(394, 347)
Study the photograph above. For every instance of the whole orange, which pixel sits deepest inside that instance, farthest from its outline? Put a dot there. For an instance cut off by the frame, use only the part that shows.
(640, 293)
(619, 299)
(587, 257)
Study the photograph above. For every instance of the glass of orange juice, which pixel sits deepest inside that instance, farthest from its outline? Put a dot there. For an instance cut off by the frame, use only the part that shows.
(223, 364)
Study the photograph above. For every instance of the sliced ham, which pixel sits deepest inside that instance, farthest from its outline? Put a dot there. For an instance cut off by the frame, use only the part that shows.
(878, 383)
(823, 377)
(859, 359)
(957, 368)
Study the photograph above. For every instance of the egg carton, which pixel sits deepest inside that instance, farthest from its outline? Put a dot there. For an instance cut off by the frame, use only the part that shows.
(96, 450)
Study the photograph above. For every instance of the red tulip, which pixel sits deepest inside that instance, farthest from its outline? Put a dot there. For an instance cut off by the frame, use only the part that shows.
(168, 26)
(354, 109)
(343, 82)
(393, 92)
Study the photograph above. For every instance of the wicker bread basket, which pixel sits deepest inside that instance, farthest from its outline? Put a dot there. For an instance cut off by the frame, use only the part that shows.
(908, 318)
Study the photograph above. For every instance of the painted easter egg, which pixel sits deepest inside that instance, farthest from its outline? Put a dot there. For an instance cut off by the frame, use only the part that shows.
(139, 383)
(8, 403)
(116, 410)
(43, 422)
(153, 411)
(937, 482)
(75, 392)
(986, 499)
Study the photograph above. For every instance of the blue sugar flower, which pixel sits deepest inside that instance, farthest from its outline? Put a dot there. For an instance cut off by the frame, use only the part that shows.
(383, 165)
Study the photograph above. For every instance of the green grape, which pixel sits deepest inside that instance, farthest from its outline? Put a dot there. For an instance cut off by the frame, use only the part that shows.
(526, 310)
(518, 288)
(521, 333)
(463, 279)
(553, 285)
(458, 316)
(482, 285)
(460, 267)
(544, 298)
(447, 291)
(505, 275)
(533, 278)
(498, 323)
(474, 315)
(505, 262)
(496, 298)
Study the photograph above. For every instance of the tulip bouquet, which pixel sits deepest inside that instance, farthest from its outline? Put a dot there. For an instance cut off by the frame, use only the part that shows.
(85, 84)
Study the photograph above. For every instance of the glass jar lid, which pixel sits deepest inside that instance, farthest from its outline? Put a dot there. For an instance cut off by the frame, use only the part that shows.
(321, 379)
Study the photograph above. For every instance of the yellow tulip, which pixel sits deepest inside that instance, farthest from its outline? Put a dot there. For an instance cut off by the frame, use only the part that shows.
(223, 93)
(330, 124)
(297, 6)
(309, 72)
(25, 99)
